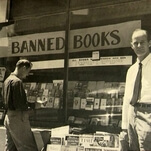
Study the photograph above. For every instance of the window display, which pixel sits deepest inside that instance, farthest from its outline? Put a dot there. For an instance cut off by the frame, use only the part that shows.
(45, 95)
(101, 141)
(95, 103)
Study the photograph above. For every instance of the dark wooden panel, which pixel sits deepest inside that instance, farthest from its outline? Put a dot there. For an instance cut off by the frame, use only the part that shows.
(132, 10)
(28, 8)
(41, 24)
(77, 4)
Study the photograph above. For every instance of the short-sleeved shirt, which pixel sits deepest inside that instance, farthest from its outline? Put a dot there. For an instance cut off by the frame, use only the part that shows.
(14, 95)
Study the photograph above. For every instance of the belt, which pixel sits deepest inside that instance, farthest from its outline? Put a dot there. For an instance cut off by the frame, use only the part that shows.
(142, 105)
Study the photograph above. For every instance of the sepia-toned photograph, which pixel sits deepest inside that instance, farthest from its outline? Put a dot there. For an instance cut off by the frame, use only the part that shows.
(75, 75)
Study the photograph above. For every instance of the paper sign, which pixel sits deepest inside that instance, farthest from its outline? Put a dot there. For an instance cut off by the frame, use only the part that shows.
(2, 73)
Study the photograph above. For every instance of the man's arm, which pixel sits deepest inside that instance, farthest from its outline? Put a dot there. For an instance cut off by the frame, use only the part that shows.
(126, 101)
(19, 96)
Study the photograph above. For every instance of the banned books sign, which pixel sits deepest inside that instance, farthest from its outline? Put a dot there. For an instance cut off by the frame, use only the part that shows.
(87, 39)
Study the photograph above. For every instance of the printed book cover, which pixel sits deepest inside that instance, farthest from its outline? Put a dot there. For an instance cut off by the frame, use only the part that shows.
(76, 103)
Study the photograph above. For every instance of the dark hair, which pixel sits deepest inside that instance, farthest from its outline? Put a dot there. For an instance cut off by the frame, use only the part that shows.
(24, 62)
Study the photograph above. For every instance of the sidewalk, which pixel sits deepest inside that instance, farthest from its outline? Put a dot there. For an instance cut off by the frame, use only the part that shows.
(42, 136)
(2, 138)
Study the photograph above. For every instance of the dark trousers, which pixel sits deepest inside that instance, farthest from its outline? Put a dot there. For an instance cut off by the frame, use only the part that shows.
(19, 136)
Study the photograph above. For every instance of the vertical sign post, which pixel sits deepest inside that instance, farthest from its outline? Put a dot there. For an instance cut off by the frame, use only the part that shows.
(66, 62)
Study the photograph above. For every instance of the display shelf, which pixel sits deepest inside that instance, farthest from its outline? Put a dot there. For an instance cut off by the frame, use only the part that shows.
(95, 120)
(109, 110)
(90, 129)
(45, 117)
(109, 129)
(95, 105)
(84, 113)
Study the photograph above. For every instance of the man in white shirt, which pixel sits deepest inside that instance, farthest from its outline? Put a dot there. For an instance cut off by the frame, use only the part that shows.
(136, 117)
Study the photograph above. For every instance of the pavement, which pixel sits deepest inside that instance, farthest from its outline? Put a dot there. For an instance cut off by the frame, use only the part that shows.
(2, 138)
(42, 137)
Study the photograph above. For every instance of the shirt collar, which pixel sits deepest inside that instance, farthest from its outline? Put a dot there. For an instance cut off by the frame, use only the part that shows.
(144, 62)
(13, 74)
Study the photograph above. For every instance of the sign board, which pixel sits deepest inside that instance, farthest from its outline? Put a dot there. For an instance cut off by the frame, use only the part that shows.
(2, 73)
(83, 62)
(104, 61)
(103, 37)
(37, 44)
(88, 39)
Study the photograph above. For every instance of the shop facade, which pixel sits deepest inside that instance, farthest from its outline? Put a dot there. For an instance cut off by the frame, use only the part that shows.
(80, 53)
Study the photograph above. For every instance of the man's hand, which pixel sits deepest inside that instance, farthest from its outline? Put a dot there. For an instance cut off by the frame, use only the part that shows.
(123, 137)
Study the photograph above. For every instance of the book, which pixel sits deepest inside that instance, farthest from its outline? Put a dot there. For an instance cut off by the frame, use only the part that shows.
(86, 140)
(104, 139)
(72, 140)
(43, 85)
(52, 92)
(56, 103)
(101, 149)
(100, 86)
(103, 104)
(31, 99)
(76, 103)
(49, 86)
(45, 92)
(52, 147)
(58, 93)
(114, 122)
(91, 86)
(40, 92)
(61, 86)
(2, 114)
(83, 103)
(32, 86)
(96, 103)
(50, 102)
(44, 99)
(89, 103)
(27, 86)
(60, 131)
(91, 89)
(79, 120)
(104, 120)
(71, 119)
(94, 121)
(93, 149)
(69, 148)
(56, 140)
(121, 88)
